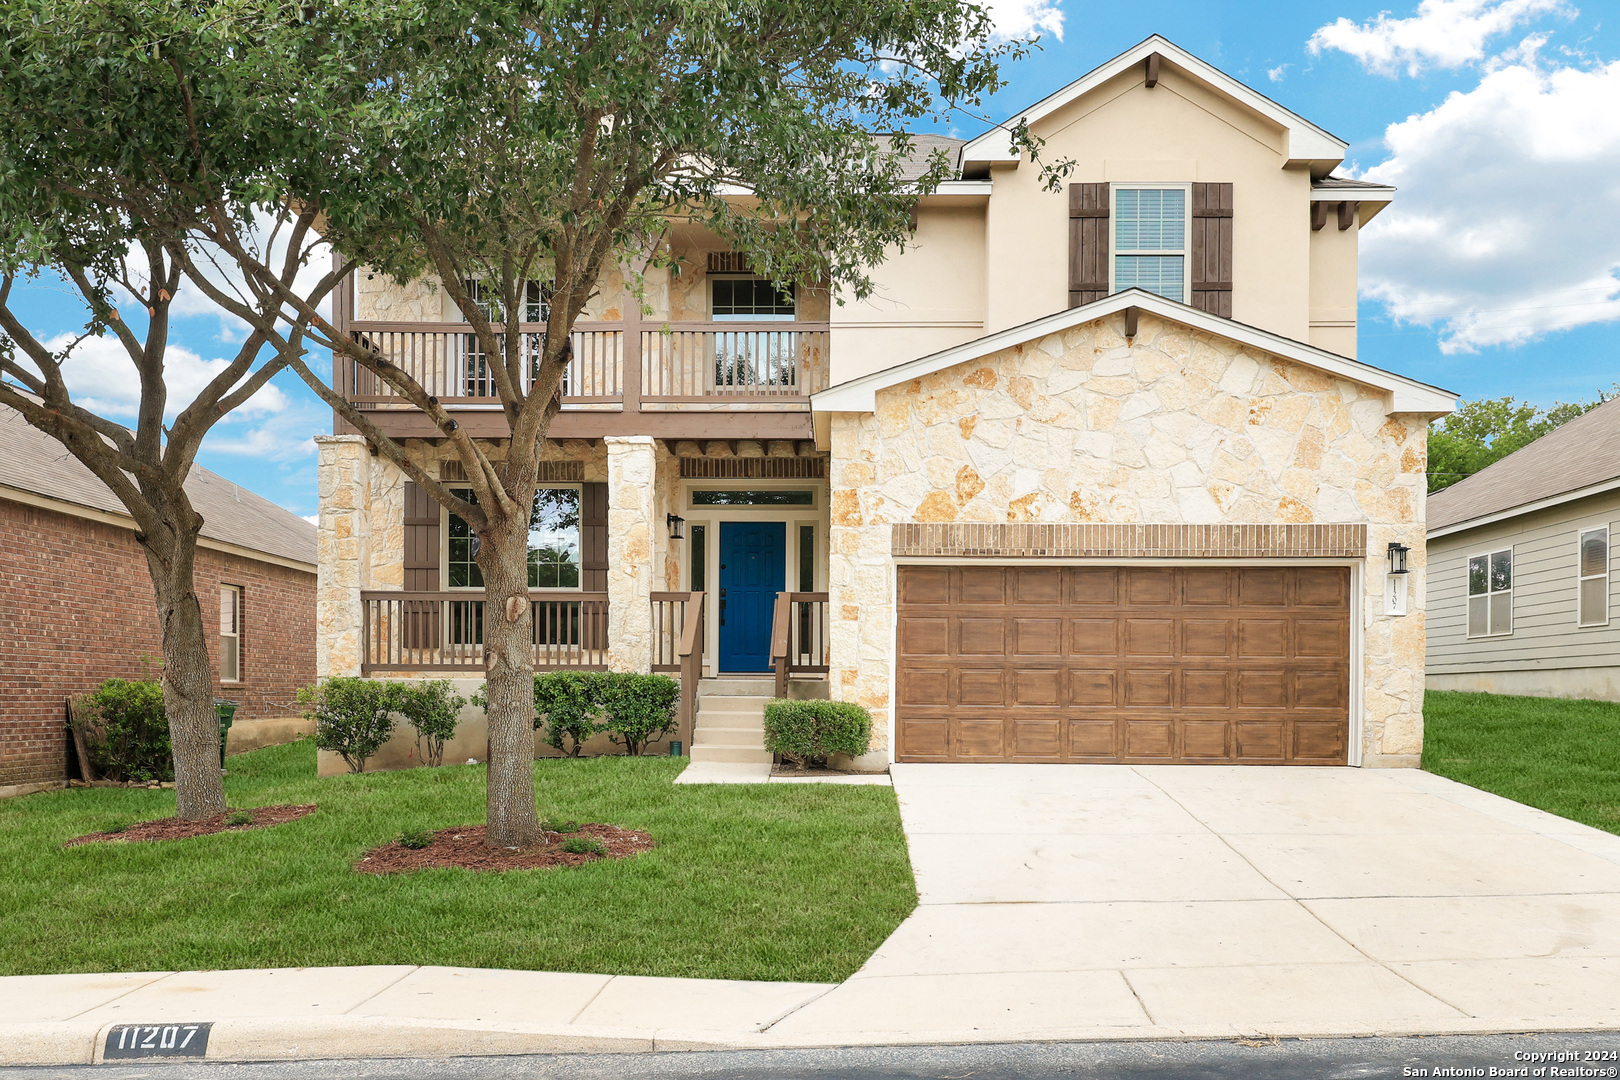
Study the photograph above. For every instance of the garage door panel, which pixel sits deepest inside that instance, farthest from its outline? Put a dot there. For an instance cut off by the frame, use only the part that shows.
(983, 585)
(924, 636)
(1039, 738)
(925, 738)
(1206, 637)
(926, 687)
(1039, 585)
(1098, 688)
(1141, 664)
(980, 738)
(982, 637)
(1206, 689)
(1149, 689)
(1150, 637)
(1092, 586)
(983, 686)
(1150, 739)
(1093, 637)
(1037, 637)
(1037, 686)
(1094, 739)
(1205, 739)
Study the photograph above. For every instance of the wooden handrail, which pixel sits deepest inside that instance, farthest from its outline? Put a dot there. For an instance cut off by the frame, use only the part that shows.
(782, 659)
(683, 655)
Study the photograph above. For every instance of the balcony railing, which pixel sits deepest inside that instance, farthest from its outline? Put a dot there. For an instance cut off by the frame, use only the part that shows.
(799, 637)
(444, 631)
(612, 364)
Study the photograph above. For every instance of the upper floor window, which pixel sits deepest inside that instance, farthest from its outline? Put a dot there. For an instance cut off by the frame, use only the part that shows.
(230, 633)
(554, 542)
(751, 299)
(1594, 577)
(536, 301)
(1490, 594)
(1150, 240)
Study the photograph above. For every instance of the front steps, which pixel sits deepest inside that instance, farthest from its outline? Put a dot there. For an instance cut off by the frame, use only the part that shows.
(728, 736)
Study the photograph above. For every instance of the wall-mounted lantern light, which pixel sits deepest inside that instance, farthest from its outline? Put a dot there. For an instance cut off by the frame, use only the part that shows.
(1397, 557)
(675, 521)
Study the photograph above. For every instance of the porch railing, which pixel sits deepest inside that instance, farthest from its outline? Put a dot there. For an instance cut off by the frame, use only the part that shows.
(444, 631)
(678, 647)
(671, 363)
(798, 636)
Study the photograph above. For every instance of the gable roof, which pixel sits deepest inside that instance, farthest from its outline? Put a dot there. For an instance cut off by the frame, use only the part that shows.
(1572, 461)
(1306, 141)
(32, 461)
(1401, 395)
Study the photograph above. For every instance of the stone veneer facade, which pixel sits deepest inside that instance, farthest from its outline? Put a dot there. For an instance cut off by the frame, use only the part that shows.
(1173, 427)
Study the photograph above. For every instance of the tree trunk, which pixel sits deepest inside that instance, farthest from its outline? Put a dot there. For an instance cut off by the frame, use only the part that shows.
(509, 679)
(188, 677)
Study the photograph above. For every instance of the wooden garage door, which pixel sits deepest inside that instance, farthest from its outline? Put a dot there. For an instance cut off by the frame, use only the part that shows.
(1124, 664)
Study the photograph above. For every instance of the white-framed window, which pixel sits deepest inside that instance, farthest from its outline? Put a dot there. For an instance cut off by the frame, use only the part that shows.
(554, 542)
(1490, 594)
(1149, 229)
(745, 298)
(476, 378)
(1593, 558)
(230, 633)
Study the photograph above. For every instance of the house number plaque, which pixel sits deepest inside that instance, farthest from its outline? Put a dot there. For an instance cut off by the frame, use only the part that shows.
(156, 1040)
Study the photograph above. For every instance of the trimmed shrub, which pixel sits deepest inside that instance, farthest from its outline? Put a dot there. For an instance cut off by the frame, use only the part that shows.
(353, 717)
(809, 732)
(638, 709)
(431, 708)
(568, 704)
(415, 839)
(239, 818)
(584, 845)
(128, 737)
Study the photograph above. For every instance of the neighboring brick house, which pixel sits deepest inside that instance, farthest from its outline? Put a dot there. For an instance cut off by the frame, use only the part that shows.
(76, 602)
(1094, 475)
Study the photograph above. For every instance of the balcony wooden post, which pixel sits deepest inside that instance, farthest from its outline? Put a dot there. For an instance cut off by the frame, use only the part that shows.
(632, 352)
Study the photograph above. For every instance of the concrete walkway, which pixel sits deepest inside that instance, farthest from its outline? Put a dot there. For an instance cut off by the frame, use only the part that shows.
(1057, 902)
(1093, 902)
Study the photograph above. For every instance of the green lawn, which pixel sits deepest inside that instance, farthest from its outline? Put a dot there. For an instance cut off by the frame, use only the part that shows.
(780, 881)
(1562, 756)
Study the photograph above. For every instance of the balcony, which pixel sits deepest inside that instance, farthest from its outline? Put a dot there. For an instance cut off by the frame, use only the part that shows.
(669, 379)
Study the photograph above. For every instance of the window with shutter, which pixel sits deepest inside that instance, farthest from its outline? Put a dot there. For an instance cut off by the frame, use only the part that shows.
(1212, 248)
(421, 619)
(1088, 243)
(1150, 239)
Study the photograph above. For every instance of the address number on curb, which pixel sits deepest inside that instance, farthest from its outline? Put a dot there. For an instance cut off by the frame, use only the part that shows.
(157, 1040)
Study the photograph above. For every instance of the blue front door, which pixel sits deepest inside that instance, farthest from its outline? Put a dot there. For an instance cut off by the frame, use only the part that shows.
(753, 568)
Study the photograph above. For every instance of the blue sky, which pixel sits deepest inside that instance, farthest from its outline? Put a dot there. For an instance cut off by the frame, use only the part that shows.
(1493, 274)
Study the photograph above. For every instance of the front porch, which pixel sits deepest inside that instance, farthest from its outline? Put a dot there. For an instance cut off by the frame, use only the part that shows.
(697, 560)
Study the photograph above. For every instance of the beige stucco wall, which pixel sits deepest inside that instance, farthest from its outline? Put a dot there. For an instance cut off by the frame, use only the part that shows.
(1333, 287)
(1177, 427)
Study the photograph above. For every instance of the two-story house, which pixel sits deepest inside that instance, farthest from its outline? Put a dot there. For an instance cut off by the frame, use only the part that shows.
(1095, 475)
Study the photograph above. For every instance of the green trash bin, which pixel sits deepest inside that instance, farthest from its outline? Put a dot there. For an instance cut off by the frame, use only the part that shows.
(226, 711)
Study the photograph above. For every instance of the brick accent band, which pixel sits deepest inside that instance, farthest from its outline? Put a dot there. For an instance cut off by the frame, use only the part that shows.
(754, 468)
(1086, 541)
(551, 472)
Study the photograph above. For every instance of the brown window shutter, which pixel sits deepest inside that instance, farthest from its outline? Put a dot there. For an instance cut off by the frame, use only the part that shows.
(1212, 248)
(421, 629)
(593, 537)
(1088, 243)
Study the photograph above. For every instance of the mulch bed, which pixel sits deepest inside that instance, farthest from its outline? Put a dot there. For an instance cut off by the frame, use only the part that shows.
(463, 848)
(787, 768)
(175, 829)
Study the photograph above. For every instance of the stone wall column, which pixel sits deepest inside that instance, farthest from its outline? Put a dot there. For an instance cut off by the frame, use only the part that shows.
(342, 543)
(632, 498)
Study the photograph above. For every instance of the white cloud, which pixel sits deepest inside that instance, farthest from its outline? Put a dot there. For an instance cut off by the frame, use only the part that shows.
(102, 378)
(1507, 225)
(1021, 18)
(1277, 73)
(286, 436)
(1443, 33)
(313, 519)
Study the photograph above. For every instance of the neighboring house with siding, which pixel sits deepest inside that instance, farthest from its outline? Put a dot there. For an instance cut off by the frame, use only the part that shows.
(1520, 593)
(76, 602)
(1094, 476)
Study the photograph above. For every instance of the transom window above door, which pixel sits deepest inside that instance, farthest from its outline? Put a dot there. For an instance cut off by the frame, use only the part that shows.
(1150, 240)
(751, 299)
(754, 497)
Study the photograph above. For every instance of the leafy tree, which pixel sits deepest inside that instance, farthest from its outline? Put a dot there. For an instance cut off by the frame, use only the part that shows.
(431, 707)
(511, 142)
(132, 144)
(1485, 431)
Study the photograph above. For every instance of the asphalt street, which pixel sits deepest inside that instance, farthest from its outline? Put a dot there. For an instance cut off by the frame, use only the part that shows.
(1586, 1054)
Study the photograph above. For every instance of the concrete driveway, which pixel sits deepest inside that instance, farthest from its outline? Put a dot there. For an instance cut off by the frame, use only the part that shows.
(1074, 901)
